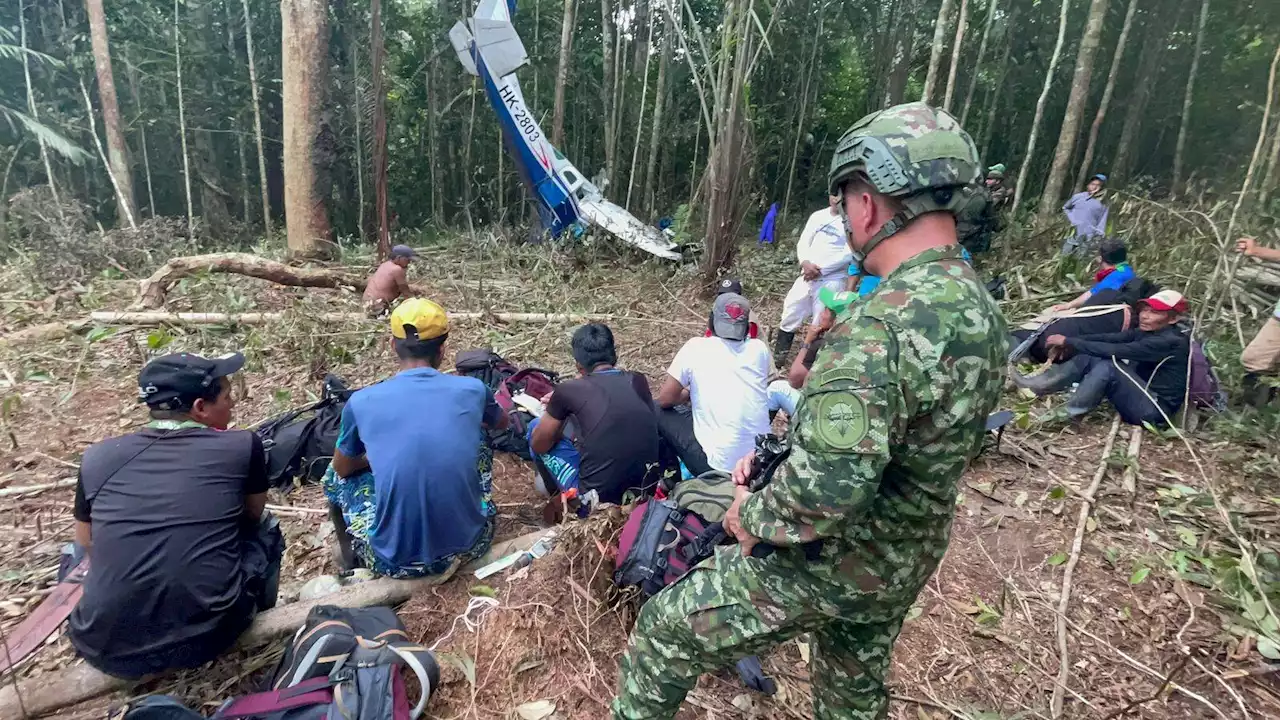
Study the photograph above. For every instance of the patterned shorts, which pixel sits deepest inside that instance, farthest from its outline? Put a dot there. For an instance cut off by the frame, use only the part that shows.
(358, 500)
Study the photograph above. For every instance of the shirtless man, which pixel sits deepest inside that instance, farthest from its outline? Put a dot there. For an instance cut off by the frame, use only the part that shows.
(389, 281)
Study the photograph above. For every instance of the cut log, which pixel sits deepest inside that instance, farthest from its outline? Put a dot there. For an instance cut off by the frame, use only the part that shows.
(165, 318)
(45, 333)
(152, 291)
(43, 694)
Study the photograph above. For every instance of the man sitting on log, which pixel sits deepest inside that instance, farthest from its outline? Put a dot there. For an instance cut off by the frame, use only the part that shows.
(713, 401)
(410, 484)
(389, 282)
(1147, 388)
(599, 433)
(173, 520)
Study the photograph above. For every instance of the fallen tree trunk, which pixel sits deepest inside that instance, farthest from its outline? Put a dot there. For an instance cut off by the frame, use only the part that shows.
(46, 693)
(152, 291)
(164, 318)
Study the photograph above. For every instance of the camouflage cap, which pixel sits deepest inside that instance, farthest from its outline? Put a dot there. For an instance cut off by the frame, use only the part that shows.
(906, 149)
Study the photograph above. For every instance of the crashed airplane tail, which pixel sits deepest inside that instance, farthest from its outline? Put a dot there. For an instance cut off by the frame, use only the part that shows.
(489, 48)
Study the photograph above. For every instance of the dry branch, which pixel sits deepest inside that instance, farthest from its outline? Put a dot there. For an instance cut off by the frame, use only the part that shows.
(1082, 521)
(24, 489)
(46, 693)
(152, 291)
(1130, 478)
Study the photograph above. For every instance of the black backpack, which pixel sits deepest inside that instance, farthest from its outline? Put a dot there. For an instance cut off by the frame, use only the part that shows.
(505, 380)
(342, 663)
(300, 443)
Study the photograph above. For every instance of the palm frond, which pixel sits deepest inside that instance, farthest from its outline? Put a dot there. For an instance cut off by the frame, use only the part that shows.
(47, 135)
(9, 51)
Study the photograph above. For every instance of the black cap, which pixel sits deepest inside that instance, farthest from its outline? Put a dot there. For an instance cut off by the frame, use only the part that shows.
(729, 285)
(175, 382)
(403, 251)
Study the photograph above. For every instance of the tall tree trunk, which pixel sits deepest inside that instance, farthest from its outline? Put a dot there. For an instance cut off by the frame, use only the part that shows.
(903, 47)
(977, 65)
(1076, 102)
(655, 134)
(1153, 48)
(562, 74)
(357, 116)
(33, 111)
(117, 150)
(935, 54)
(182, 123)
(800, 120)
(214, 198)
(304, 29)
(961, 22)
(1271, 178)
(132, 75)
(379, 130)
(1030, 155)
(1181, 147)
(467, 172)
(115, 182)
(644, 97)
(245, 206)
(607, 88)
(995, 93)
(257, 121)
(1107, 93)
(433, 141)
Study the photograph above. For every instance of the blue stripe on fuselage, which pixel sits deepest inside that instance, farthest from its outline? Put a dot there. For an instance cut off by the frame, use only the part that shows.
(556, 207)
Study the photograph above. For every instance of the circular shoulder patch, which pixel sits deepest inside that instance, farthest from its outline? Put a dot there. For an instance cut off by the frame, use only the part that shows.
(840, 420)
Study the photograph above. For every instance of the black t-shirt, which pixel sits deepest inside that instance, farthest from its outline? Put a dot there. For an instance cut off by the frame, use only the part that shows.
(167, 509)
(617, 431)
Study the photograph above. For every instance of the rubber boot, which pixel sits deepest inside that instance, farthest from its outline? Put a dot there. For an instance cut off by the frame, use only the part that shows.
(781, 346)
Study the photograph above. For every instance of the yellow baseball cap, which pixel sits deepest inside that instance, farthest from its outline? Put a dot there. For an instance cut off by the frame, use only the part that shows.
(419, 319)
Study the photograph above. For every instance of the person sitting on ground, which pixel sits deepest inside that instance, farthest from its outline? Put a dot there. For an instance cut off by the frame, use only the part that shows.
(1147, 389)
(173, 520)
(389, 282)
(410, 484)
(606, 415)
(824, 262)
(1262, 356)
(1113, 272)
(1087, 214)
(713, 399)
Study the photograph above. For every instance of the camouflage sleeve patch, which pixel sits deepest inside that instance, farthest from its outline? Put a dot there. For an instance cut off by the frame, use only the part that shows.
(841, 439)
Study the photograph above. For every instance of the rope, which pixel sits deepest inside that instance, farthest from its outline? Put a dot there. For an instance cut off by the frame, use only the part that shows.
(481, 606)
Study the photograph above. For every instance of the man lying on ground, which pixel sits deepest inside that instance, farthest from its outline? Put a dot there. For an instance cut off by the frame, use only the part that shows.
(172, 518)
(1115, 284)
(605, 417)
(389, 282)
(722, 379)
(1146, 389)
(409, 487)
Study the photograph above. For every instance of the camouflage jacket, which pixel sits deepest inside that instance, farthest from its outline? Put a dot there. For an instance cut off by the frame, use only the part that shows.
(892, 411)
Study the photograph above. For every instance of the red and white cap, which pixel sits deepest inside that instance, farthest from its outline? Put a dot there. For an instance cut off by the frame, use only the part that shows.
(1167, 300)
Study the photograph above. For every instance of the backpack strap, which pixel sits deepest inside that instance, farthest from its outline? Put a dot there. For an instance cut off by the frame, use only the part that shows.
(423, 663)
(316, 691)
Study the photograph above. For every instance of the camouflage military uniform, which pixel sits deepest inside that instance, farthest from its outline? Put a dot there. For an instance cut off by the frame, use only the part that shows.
(892, 411)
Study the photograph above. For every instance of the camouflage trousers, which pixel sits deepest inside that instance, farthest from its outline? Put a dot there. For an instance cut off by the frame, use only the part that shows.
(729, 607)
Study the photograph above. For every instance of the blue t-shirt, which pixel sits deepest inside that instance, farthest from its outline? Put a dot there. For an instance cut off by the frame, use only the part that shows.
(421, 432)
(1115, 279)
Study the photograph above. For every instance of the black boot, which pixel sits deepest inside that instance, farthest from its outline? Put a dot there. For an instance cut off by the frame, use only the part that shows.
(1254, 392)
(782, 346)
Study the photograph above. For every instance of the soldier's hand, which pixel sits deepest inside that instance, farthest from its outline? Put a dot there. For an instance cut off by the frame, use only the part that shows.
(742, 471)
(1246, 245)
(1055, 341)
(810, 271)
(733, 525)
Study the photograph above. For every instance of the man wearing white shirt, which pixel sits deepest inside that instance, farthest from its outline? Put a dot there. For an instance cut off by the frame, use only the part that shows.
(723, 378)
(824, 255)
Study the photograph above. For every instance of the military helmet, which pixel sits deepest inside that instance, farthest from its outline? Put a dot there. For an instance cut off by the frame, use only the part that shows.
(913, 152)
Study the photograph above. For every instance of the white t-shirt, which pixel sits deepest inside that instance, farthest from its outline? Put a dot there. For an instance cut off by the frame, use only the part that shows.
(823, 243)
(727, 383)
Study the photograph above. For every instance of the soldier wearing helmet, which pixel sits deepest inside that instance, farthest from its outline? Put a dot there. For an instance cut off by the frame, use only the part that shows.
(857, 518)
